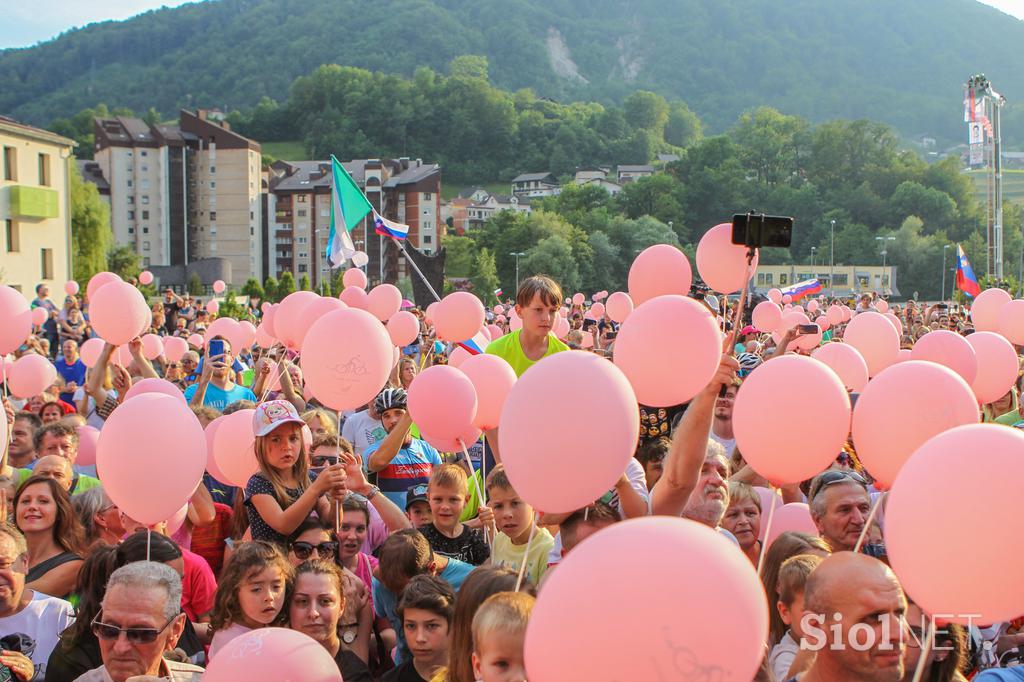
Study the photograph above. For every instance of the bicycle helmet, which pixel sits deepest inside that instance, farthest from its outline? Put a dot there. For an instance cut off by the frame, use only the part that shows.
(748, 363)
(390, 399)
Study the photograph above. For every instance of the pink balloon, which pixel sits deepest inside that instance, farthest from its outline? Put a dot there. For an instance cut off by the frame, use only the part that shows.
(562, 328)
(647, 350)
(175, 522)
(354, 297)
(39, 316)
(273, 654)
(222, 327)
(347, 358)
(847, 362)
(97, 281)
(514, 323)
(219, 286)
(618, 306)
(1011, 322)
(882, 306)
(457, 356)
(915, 401)
(468, 437)
(403, 328)
(493, 378)
(210, 433)
(790, 319)
(775, 296)
(808, 341)
(787, 299)
(243, 336)
(589, 445)
(779, 453)
(268, 321)
(174, 348)
(876, 339)
(578, 299)
(687, 648)
(212, 307)
(88, 439)
(151, 456)
(498, 309)
(496, 331)
(847, 313)
(17, 319)
(145, 277)
(835, 314)
(986, 307)
(30, 375)
(812, 306)
(233, 451)
(823, 322)
(263, 339)
(721, 264)
(354, 277)
(288, 318)
(152, 346)
(71, 288)
(195, 341)
(428, 314)
(383, 301)
(313, 312)
(795, 517)
(997, 366)
(950, 350)
(767, 498)
(896, 322)
(458, 316)
(905, 354)
(766, 316)
(442, 401)
(121, 356)
(90, 351)
(118, 312)
(597, 310)
(981, 467)
(500, 319)
(154, 385)
(658, 270)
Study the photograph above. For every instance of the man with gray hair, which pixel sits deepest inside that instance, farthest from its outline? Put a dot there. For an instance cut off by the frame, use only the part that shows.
(30, 621)
(139, 620)
(840, 505)
(710, 499)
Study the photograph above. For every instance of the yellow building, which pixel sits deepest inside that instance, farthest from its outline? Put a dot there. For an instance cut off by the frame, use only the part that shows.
(848, 280)
(35, 207)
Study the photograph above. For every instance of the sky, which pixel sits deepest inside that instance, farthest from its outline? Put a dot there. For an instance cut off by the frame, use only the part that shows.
(26, 23)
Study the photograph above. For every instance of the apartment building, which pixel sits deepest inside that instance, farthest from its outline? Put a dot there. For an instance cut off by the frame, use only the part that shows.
(35, 207)
(181, 193)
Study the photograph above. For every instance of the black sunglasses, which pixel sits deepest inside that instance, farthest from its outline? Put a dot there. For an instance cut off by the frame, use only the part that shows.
(109, 632)
(832, 477)
(319, 461)
(323, 550)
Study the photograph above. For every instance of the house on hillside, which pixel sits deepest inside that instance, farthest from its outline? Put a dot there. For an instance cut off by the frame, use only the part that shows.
(587, 173)
(612, 188)
(631, 173)
(535, 185)
(480, 212)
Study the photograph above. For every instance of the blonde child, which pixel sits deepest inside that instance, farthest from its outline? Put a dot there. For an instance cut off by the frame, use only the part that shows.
(515, 520)
(280, 496)
(499, 628)
(792, 578)
(447, 493)
(251, 594)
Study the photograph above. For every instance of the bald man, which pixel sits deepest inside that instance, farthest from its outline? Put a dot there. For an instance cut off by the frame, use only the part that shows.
(862, 596)
(59, 468)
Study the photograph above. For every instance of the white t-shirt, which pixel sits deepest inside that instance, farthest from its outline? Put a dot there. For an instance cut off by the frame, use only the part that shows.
(40, 624)
(728, 443)
(91, 418)
(362, 431)
(782, 655)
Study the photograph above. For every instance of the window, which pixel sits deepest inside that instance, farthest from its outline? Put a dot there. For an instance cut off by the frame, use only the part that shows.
(145, 262)
(213, 185)
(46, 266)
(144, 168)
(427, 196)
(783, 279)
(131, 230)
(302, 213)
(130, 183)
(131, 200)
(143, 153)
(145, 246)
(145, 215)
(300, 240)
(44, 170)
(426, 239)
(145, 198)
(252, 216)
(303, 254)
(10, 163)
(213, 215)
(131, 215)
(213, 170)
(13, 236)
(302, 198)
(145, 229)
(302, 267)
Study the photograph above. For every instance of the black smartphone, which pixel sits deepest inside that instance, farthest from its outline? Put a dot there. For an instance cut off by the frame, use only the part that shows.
(758, 230)
(808, 328)
(216, 348)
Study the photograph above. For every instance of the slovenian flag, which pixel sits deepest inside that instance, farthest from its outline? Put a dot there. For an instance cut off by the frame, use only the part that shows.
(965, 279)
(476, 345)
(348, 206)
(389, 228)
(801, 289)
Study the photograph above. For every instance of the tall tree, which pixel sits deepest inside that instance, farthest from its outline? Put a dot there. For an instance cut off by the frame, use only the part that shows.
(485, 277)
(90, 227)
(286, 285)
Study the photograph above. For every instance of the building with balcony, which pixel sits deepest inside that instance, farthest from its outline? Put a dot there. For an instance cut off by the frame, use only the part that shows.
(847, 280)
(536, 185)
(35, 207)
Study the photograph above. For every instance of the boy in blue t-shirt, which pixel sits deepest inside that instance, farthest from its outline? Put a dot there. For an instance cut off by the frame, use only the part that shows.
(399, 460)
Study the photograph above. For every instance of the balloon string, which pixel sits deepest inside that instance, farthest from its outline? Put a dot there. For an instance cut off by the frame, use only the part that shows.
(526, 554)
(926, 649)
(283, 368)
(337, 503)
(476, 484)
(867, 523)
(767, 530)
(149, 539)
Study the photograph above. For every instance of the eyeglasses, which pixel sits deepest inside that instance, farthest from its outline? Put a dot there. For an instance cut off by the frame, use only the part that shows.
(832, 477)
(320, 461)
(324, 549)
(134, 635)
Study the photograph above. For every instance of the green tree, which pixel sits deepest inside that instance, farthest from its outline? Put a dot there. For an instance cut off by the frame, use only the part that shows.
(270, 289)
(656, 196)
(771, 143)
(195, 285)
(253, 289)
(683, 127)
(553, 256)
(123, 261)
(460, 256)
(90, 227)
(485, 276)
(304, 284)
(469, 66)
(286, 285)
(646, 110)
(229, 307)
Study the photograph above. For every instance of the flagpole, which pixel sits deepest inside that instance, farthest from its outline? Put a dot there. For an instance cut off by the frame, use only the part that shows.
(415, 267)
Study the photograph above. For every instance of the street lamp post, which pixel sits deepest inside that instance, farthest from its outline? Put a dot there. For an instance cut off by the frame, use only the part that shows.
(884, 251)
(832, 259)
(517, 254)
(944, 247)
(813, 249)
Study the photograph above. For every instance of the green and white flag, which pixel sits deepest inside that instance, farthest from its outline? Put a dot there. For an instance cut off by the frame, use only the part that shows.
(348, 206)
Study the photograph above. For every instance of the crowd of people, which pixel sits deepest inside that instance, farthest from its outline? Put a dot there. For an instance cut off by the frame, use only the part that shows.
(403, 562)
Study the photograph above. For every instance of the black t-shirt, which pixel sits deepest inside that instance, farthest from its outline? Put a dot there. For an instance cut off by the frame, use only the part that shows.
(656, 422)
(171, 316)
(469, 546)
(403, 673)
(352, 667)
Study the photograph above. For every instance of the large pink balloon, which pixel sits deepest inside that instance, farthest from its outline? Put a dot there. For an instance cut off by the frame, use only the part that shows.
(619, 305)
(835, 314)
(151, 456)
(597, 310)
(496, 331)
(493, 378)
(354, 277)
(90, 351)
(383, 301)
(812, 306)
(219, 286)
(770, 445)
(242, 336)
(16, 317)
(224, 327)
(273, 654)
(847, 362)
(71, 288)
(457, 356)
(775, 296)
(195, 340)
(269, 313)
(578, 298)
(97, 281)
(403, 328)
(458, 316)
(795, 516)
(145, 277)
(39, 316)
(658, 270)
(897, 323)
(118, 312)
(154, 385)
(589, 444)
(442, 401)
(263, 339)
(669, 349)
(88, 439)
(662, 550)
(985, 309)
(882, 306)
(980, 468)
(211, 461)
(152, 346)
(767, 497)
(950, 350)
(766, 316)
(30, 375)
(233, 451)
(346, 358)
(562, 328)
(468, 437)
(174, 348)
(313, 312)
(354, 297)
(903, 407)
(287, 318)
(997, 366)
(822, 322)
(875, 338)
(721, 264)
(1011, 322)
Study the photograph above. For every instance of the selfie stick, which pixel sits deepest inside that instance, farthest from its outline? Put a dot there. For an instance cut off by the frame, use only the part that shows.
(737, 318)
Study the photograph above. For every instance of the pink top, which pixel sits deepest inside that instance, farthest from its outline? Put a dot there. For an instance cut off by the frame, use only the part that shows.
(366, 564)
